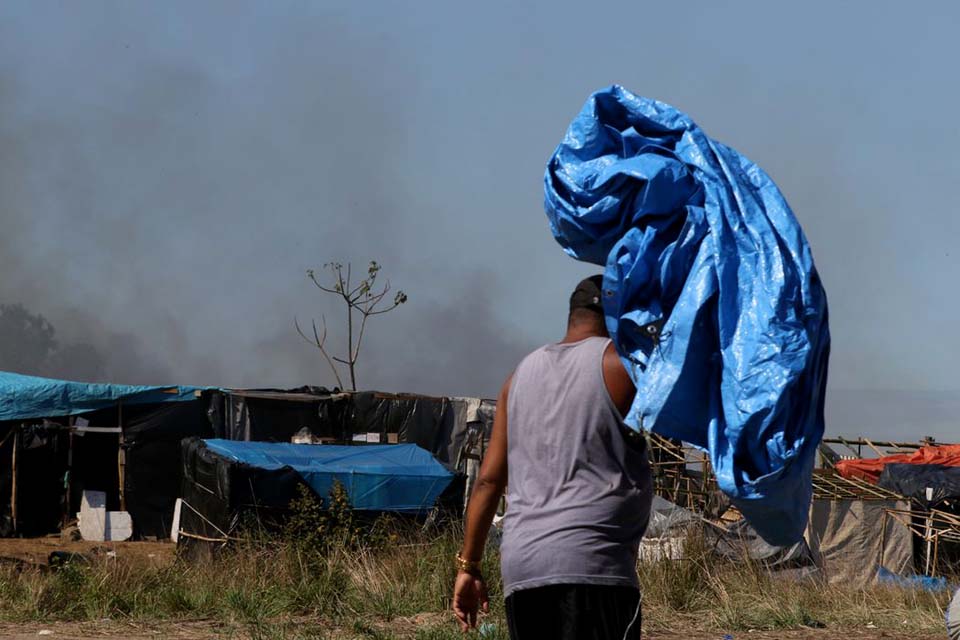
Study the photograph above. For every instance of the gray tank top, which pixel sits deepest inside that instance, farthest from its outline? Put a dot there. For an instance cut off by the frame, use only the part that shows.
(578, 492)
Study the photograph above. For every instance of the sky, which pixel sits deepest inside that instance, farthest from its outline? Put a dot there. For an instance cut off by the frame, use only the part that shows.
(170, 171)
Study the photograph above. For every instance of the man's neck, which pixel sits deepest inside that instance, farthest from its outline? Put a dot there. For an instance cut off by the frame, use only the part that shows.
(578, 333)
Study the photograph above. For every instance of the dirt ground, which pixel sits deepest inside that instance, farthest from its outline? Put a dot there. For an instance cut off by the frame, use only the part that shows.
(198, 630)
(36, 551)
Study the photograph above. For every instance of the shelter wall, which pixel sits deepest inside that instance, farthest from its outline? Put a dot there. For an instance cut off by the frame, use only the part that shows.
(851, 539)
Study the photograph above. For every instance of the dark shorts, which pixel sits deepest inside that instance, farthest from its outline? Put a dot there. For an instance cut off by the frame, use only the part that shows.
(574, 612)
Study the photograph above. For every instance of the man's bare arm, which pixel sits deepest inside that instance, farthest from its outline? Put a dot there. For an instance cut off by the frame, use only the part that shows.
(491, 483)
(469, 590)
(617, 380)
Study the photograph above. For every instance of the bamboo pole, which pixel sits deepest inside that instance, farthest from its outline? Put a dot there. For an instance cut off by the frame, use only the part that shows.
(887, 444)
(68, 481)
(936, 548)
(870, 444)
(121, 456)
(883, 537)
(14, 471)
(927, 532)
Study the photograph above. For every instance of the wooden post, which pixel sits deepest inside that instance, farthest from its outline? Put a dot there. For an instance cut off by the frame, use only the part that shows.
(928, 530)
(68, 481)
(936, 548)
(13, 470)
(121, 456)
(883, 536)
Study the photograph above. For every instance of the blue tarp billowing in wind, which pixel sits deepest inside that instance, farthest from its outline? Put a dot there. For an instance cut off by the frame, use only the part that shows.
(24, 397)
(387, 477)
(710, 295)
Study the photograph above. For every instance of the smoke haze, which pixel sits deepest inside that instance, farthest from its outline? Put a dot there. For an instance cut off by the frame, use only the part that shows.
(168, 172)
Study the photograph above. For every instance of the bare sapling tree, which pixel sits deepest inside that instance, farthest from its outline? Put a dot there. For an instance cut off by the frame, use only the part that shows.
(363, 300)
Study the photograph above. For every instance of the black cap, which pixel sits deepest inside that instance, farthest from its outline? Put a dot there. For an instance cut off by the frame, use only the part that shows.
(588, 294)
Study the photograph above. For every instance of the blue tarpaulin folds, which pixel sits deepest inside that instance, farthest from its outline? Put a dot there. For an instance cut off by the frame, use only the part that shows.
(710, 294)
(390, 477)
(24, 397)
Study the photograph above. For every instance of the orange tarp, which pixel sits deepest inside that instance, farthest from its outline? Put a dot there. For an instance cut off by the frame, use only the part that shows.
(869, 469)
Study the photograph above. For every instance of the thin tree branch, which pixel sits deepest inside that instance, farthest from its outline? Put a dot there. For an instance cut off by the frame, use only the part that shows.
(338, 271)
(319, 342)
(363, 299)
(382, 311)
(352, 363)
(374, 299)
(313, 277)
(363, 325)
(357, 289)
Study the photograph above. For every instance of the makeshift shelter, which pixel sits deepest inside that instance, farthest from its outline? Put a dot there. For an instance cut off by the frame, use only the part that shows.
(59, 437)
(740, 541)
(870, 469)
(923, 476)
(927, 484)
(226, 481)
(854, 527)
(666, 530)
(439, 425)
(853, 538)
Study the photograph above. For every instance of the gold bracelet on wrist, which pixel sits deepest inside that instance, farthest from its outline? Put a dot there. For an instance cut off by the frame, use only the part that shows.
(468, 566)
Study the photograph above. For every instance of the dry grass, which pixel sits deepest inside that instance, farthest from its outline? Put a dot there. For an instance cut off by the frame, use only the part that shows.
(402, 591)
(711, 594)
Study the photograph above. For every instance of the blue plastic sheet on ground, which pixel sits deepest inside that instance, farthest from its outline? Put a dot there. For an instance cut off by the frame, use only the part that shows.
(926, 583)
(25, 397)
(710, 294)
(388, 477)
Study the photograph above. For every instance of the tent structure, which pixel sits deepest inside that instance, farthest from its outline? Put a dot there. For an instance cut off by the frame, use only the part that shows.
(402, 478)
(670, 524)
(58, 438)
(854, 528)
(25, 397)
(438, 424)
(853, 538)
(928, 484)
(870, 469)
(225, 481)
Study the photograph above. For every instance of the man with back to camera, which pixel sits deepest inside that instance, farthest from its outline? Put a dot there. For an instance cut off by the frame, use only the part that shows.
(578, 491)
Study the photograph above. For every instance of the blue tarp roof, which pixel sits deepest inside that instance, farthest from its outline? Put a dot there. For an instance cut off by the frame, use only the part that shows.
(389, 477)
(24, 397)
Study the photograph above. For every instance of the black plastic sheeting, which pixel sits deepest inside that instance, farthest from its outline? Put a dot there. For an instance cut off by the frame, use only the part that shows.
(151, 480)
(6, 478)
(438, 425)
(40, 492)
(219, 492)
(152, 435)
(270, 415)
(151, 440)
(912, 480)
(222, 496)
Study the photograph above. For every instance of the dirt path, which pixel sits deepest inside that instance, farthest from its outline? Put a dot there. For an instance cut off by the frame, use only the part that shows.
(111, 630)
(198, 630)
(803, 634)
(36, 551)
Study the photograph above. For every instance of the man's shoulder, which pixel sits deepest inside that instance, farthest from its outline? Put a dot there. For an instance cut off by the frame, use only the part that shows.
(536, 353)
